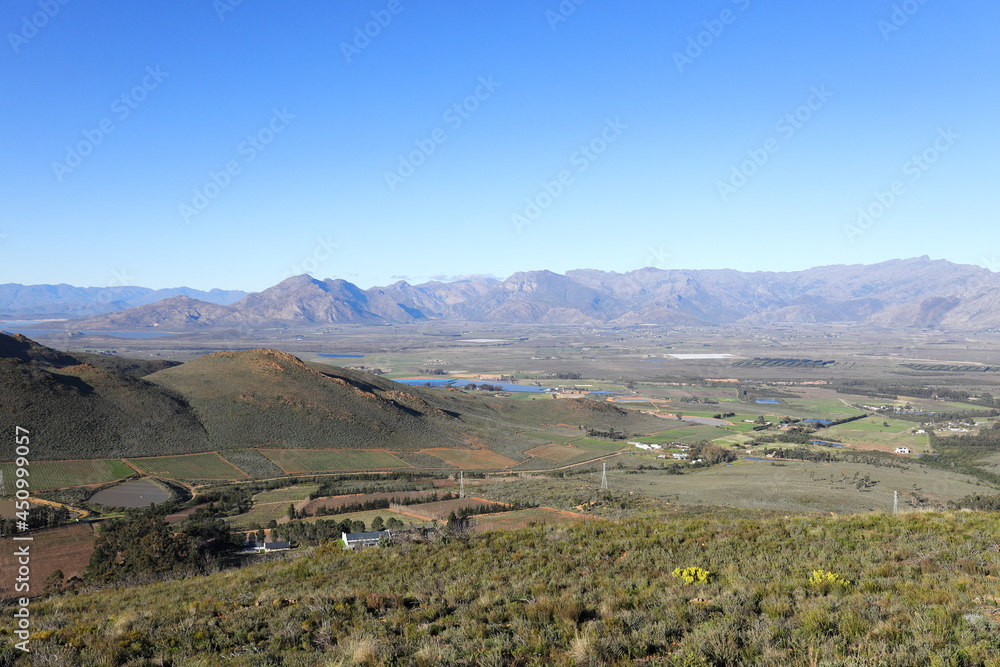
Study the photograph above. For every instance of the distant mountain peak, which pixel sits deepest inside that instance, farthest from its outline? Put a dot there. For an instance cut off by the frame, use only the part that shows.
(899, 292)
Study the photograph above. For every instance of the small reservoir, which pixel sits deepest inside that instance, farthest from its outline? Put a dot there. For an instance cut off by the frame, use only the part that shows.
(138, 493)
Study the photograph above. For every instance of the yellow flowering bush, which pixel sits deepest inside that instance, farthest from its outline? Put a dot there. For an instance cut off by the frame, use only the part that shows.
(692, 575)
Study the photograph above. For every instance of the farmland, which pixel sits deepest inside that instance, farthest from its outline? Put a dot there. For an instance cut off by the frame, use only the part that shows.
(66, 548)
(332, 460)
(188, 466)
(471, 459)
(260, 515)
(440, 510)
(369, 516)
(798, 486)
(59, 474)
(287, 494)
(335, 502)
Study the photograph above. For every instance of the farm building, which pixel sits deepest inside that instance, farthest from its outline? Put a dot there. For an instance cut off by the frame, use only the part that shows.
(368, 539)
(902, 450)
(266, 547)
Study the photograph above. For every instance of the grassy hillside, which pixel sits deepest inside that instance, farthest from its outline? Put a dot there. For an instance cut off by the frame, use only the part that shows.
(86, 412)
(864, 589)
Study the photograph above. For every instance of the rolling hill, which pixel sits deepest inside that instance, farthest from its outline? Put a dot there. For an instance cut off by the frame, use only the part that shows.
(78, 409)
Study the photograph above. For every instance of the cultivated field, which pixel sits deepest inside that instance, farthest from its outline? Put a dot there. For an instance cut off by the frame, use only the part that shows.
(333, 460)
(288, 494)
(554, 452)
(441, 510)
(66, 548)
(369, 516)
(334, 502)
(471, 459)
(188, 466)
(59, 474)
(260, 515)
(794, 486)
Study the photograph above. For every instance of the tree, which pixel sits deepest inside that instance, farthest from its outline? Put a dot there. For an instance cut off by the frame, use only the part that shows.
(377, 523)
(291, 511)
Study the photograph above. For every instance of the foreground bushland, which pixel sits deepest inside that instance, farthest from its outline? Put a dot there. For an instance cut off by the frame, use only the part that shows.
(847, 590)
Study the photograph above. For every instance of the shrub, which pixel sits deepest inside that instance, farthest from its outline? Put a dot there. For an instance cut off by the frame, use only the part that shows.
(692, 575)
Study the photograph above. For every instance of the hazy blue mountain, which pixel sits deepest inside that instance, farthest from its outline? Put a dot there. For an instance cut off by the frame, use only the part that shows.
(908, 292)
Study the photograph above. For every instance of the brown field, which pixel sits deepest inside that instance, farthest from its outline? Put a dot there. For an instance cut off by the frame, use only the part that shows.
(336, 502)
(439, 511)
(65, 548)
(471, 459)
(556, 452)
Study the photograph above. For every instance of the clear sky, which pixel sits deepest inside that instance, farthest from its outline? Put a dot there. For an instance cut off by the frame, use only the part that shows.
(233, 143)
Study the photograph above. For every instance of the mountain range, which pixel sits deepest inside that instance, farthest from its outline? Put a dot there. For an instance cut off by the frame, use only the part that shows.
(37, 301)
(917, 292)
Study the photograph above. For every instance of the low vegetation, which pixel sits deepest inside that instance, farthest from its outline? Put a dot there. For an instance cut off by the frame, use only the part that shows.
(913, 589)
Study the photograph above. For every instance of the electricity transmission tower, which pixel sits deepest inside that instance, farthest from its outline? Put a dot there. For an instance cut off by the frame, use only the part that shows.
(461, 484)
(604, 476)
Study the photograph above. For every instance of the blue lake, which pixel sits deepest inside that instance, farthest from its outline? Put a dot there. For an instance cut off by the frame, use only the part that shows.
(826, 422)
(769, 401)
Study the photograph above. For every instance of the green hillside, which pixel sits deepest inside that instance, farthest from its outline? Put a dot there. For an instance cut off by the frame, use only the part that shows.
(915, 589)
(86, 412)
(261, 397)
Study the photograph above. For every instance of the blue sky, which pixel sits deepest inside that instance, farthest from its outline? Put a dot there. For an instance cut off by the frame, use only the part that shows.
(231, 144)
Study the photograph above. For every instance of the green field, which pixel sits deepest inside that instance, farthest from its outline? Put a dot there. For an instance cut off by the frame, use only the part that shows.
(188, 466)
(550, 437)
(288, 494)
(336, 460)
(793, 486)
(664, 436)
(57, 474)
(698, 433)
(874, 425)
(598, 447)
(871, 432)
(259, 516)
